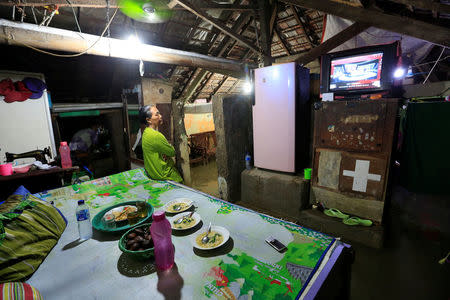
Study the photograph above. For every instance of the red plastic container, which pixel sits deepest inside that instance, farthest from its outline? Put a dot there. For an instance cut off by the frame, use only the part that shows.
(64, 151)
(161, 232)
(6, 169)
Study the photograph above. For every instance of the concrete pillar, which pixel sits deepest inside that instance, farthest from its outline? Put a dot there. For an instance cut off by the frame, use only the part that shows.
(233, 124)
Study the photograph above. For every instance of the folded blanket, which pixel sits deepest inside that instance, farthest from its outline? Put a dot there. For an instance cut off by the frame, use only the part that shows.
(29, 229)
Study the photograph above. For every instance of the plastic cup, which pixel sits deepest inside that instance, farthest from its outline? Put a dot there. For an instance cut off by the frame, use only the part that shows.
(6, 169)
(307, 173)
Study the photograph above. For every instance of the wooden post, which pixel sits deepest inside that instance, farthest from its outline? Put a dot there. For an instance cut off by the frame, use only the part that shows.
(180, 141)
(266, 17)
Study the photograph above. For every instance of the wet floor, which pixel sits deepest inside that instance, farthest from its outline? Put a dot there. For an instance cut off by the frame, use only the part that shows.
(204, 178)
(407, 266)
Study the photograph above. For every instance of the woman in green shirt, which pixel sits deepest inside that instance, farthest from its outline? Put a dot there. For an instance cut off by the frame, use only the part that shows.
(155, 147)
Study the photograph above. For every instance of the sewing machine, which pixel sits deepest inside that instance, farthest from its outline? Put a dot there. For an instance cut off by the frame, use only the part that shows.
(37, 154)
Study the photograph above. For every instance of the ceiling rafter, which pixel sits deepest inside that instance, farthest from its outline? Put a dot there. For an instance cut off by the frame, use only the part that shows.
(241, 26)
(302, 25)
(219, 86)
(328, 45)
(242, 22)
(282, 43)
(438, 7)
(303, 19)
(218, 24)
(206, 79)
(412, 27)
(198, 74)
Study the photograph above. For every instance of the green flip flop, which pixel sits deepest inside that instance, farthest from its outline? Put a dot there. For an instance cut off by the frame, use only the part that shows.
(352, 221)
(333, 212)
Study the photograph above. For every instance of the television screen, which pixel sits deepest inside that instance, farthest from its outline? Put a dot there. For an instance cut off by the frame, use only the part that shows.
(356, 72)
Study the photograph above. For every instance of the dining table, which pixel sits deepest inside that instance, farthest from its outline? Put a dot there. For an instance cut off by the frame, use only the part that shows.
(313, 265)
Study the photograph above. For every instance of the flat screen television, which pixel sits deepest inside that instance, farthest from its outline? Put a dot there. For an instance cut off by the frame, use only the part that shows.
(359, 71)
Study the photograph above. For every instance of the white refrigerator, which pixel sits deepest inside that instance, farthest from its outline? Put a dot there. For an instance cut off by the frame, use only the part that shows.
(281, 98)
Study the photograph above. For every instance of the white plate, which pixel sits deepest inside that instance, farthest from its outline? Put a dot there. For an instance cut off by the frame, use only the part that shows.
(196, 217)
(119, 210)
(178, 200)
(223, 231)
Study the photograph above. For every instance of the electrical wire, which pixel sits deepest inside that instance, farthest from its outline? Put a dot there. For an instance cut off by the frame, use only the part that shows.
(69, 55)
(430, 62)
(107, 17)
(442, 52)
(74, 15)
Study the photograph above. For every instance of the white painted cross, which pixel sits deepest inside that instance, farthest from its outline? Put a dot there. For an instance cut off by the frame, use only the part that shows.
(361, 175)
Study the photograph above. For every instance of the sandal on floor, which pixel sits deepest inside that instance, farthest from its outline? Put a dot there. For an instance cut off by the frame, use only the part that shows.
(352, 221)
(332, 212)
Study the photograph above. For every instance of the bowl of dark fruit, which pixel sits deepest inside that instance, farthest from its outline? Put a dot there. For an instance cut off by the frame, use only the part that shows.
(137, 241)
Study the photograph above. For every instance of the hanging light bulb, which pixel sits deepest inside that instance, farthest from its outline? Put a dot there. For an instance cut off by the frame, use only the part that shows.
(248, 88)
(399, 73)
(141, 68)
(133, 39)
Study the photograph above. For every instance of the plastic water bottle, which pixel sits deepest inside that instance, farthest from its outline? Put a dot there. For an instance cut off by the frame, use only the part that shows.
(161, 232)
(64, 151)
(84, 221)
(248, 158)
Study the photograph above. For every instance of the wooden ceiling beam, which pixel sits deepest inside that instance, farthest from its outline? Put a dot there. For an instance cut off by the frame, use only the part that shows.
(197, 77)
(239, 26)
(303, 26)
(325, 47)
(230, 7)
(114, 4)
(426, 5)
(20, 34)
(266, 20)
(283, 45)
(217, 24)
(62, 3)
(241, 29)
(304, 20)
(415, 28)
(201, 86)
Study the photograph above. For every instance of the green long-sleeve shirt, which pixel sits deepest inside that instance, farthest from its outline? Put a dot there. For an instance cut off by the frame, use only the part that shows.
(154, 145)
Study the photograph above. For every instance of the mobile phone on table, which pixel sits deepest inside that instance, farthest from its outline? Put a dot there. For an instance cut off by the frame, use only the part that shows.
(276, 244)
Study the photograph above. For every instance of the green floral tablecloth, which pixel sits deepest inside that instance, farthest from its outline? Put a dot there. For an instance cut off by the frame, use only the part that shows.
(249, 269)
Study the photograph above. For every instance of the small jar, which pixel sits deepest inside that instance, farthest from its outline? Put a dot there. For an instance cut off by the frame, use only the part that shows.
(133, 217)
(141, 208)
(109, 221)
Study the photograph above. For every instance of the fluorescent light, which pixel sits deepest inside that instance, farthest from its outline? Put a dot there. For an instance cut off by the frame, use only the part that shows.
(133, 38)
(399, 73)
